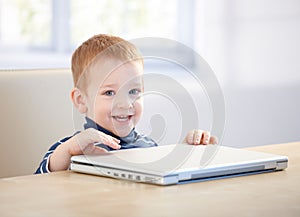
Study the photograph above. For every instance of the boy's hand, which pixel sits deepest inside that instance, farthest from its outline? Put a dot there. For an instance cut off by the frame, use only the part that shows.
(200, 137)
(81, 143)
(84, 142)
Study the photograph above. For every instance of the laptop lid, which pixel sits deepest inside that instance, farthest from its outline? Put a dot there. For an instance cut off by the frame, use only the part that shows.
(178, 163)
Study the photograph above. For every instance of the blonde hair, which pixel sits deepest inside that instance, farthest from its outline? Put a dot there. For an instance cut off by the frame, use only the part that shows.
(101, 46)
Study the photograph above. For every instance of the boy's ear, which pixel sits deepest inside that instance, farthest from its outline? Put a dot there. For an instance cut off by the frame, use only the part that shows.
(79, 100)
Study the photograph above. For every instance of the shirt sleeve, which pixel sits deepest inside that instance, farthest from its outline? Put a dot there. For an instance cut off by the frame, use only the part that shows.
(44, 165)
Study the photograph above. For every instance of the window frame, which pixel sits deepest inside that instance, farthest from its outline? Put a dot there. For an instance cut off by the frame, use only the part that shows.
(60, 39)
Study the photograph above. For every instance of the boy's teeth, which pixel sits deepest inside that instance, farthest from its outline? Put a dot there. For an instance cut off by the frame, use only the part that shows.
(122, 118)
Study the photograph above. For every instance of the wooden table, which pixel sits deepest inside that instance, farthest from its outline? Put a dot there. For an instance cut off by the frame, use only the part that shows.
(72, 194)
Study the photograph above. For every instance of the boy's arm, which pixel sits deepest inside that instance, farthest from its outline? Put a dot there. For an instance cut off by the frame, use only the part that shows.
(81, 143)
(200, 137)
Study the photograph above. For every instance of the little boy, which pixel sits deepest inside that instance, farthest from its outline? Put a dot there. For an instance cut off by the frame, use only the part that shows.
(108, 83)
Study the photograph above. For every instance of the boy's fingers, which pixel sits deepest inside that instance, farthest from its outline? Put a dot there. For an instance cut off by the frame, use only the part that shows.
(190, 137)
(87, 139)
(113, 144)
(116, 140)
(206, 138)
(98, 150)
(94, 150)
(213, 140)
(197, 137)
(110, 141)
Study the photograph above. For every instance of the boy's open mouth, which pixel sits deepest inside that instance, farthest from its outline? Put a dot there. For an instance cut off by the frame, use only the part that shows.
(122, 118)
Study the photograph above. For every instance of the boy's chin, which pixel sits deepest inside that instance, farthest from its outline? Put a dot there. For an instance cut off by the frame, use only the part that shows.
(123, 132)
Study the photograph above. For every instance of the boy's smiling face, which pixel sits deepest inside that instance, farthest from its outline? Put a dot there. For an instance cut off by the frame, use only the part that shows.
(113, 95)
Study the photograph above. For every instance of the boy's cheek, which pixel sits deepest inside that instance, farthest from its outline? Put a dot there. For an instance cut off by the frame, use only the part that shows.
(139, 106)
(140, 100)
(138, 111)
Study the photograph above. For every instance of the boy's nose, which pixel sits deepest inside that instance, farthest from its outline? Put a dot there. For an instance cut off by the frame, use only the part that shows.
(123, 103)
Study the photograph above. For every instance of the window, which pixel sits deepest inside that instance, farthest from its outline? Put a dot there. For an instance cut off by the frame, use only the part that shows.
(44, 33)
(25, 23)
(142, 18)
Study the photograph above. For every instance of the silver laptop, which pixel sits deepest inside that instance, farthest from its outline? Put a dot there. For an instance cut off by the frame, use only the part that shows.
(179, 163)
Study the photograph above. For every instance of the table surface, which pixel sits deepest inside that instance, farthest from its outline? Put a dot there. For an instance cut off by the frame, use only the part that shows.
(72, 194)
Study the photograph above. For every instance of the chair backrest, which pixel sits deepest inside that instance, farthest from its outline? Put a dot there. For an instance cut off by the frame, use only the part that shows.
(36, 111)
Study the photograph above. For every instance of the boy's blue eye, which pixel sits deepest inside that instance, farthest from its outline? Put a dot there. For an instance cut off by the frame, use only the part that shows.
(134, 92)
(109, 93)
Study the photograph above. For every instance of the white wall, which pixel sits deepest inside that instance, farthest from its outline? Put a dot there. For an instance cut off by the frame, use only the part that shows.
(253, 47)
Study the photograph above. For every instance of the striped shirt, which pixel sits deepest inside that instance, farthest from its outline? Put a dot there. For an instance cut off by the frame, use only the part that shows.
(133, 140)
